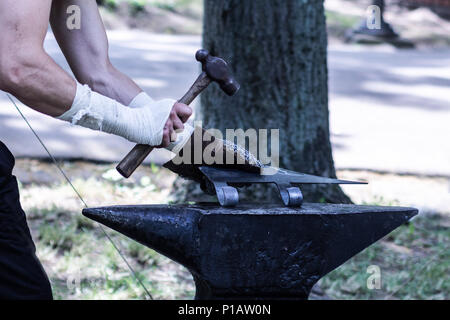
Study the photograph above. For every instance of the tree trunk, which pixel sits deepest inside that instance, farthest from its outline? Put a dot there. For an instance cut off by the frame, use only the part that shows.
(278, 52)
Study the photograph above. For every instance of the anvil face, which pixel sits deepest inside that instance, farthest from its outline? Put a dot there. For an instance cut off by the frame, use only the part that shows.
(255, 252)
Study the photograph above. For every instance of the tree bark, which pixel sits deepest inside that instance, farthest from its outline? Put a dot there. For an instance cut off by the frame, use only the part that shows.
(278, 52)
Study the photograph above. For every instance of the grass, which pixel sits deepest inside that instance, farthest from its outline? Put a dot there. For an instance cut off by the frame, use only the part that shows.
(414, 264)
(338, 24)
(139, 5)
(83, 264)
(414, 261)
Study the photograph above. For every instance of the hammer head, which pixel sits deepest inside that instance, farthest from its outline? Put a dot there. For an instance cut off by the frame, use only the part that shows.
(218, 71)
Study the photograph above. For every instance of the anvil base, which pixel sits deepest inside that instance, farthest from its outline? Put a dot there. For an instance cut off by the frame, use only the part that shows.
(251, 251)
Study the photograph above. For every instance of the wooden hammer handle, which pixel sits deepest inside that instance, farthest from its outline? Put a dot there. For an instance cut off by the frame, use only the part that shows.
(199, 85)
(137, 155)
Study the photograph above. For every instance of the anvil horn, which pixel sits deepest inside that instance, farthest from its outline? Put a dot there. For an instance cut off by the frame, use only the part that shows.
(260, 251)
(166, 229)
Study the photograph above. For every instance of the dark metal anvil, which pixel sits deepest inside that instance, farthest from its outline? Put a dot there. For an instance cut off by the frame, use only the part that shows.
(251, 251)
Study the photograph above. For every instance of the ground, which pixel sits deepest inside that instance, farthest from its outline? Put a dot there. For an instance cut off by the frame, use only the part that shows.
(82, 264)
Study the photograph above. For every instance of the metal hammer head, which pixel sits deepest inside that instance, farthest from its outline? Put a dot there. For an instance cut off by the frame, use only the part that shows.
(219, 71)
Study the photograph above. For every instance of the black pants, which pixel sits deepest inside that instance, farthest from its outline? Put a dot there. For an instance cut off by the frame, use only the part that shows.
(21, 273)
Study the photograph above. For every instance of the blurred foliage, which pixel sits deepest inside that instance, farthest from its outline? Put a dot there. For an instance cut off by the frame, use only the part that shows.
(139, 5)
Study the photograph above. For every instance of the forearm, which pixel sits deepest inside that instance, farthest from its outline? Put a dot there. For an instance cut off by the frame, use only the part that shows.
(86, 51)
(40, 83)
(112, 83)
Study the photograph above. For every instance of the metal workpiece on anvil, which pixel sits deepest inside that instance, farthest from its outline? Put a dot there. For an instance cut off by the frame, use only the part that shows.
(254, 251)
(224, 182)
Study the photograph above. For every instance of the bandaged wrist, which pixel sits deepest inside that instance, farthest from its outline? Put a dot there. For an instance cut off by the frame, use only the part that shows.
(182, 137)
(141, 100)
(140, 125)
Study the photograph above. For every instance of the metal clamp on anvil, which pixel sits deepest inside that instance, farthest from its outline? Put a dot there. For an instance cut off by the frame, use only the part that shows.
(225, 181)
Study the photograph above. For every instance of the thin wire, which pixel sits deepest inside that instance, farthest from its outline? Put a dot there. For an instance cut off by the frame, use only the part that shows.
(79, 196)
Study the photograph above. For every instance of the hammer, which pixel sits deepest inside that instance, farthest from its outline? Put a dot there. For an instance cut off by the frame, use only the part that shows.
(214, 69)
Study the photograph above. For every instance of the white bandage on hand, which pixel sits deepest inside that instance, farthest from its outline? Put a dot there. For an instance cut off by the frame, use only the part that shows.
(143, 125)
(141, 100)
(182, 137)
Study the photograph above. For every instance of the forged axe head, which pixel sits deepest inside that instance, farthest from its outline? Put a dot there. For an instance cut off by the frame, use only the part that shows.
(218, 71)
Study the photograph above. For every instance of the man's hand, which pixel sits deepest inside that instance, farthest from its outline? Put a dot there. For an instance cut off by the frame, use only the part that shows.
(178, 116)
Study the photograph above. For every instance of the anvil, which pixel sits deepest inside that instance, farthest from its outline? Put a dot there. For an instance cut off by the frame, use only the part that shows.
(254, 251)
